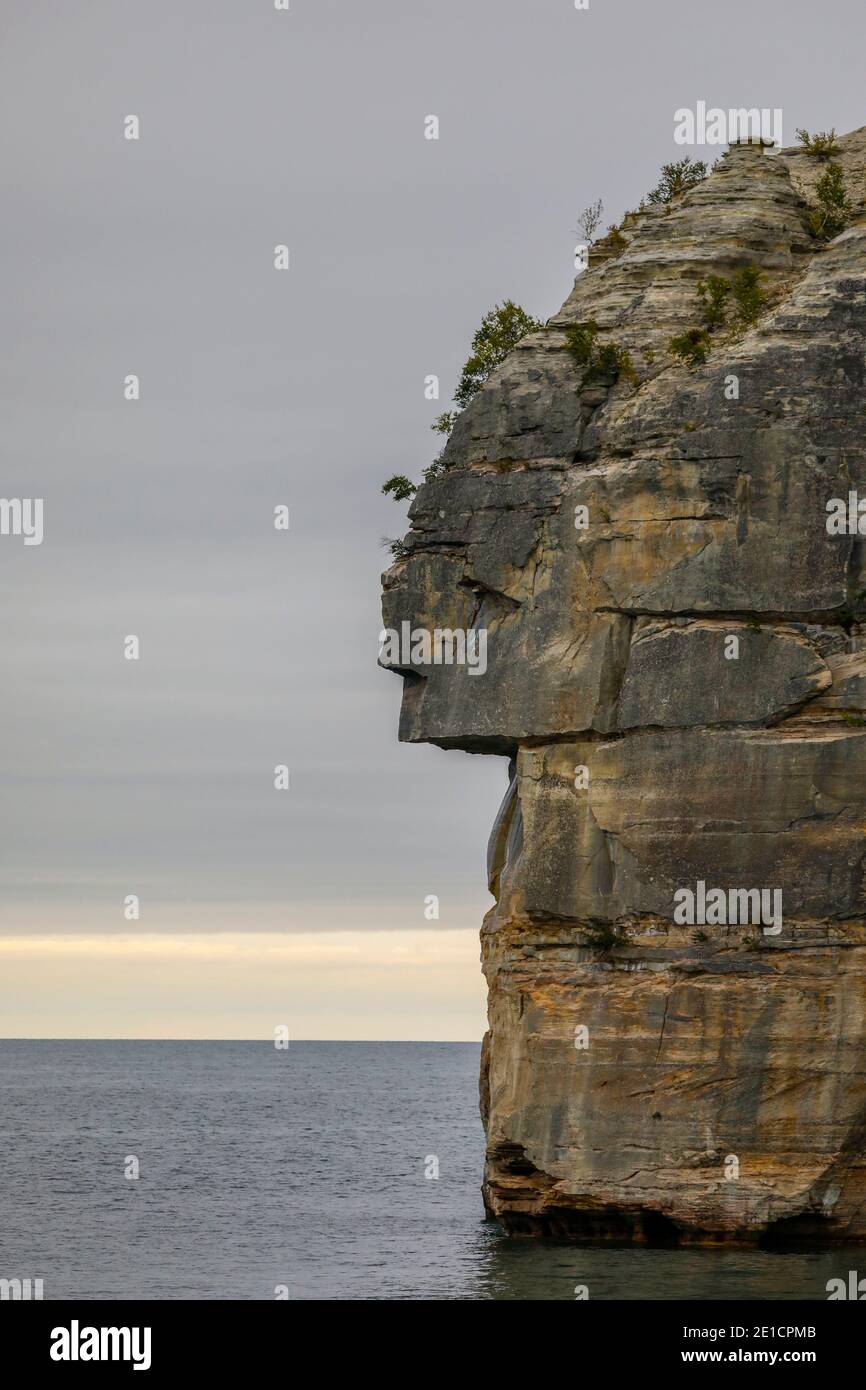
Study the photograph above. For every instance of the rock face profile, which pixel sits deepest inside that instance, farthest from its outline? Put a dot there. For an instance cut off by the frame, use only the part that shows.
(676, 670)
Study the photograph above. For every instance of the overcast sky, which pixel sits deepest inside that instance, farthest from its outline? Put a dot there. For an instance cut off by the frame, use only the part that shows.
(261, 387)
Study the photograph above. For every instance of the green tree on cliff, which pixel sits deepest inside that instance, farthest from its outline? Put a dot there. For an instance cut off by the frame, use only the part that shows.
(676, 178)
(500, 330)
(822, 144)
(834, 206)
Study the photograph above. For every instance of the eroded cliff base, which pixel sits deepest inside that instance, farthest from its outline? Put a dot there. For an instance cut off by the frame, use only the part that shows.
(673, 1090)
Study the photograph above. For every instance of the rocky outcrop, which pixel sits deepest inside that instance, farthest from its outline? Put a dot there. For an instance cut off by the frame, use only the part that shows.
(676, 670)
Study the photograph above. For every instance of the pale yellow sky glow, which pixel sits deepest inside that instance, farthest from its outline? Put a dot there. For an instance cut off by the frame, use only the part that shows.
(366, 985)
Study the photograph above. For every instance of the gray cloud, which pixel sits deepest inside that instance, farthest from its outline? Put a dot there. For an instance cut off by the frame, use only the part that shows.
(304, 388)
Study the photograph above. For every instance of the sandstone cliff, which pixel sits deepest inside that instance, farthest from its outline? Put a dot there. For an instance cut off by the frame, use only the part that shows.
(642, 1078)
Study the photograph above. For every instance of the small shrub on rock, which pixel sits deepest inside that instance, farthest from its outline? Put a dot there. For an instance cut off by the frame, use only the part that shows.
(748, 294)
(713, 294)
(822, 144)
(676, 178)
(692, 346)
(400, 487)
(598, 361)
(834, 208)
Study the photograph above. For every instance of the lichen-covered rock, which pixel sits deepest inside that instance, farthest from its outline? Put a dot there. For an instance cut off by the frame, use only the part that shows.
(676, 669)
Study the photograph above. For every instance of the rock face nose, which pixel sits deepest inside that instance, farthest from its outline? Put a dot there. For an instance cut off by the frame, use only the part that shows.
(676, 667)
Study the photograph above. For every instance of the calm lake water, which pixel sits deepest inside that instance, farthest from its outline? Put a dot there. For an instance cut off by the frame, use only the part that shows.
(303, 1168)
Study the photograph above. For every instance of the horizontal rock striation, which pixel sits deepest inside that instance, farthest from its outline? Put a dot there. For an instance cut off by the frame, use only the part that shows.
(676, 670)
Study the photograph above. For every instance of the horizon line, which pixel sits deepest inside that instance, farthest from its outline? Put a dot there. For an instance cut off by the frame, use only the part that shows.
(391, 1042)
